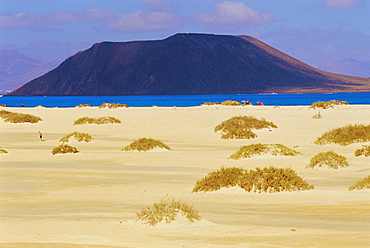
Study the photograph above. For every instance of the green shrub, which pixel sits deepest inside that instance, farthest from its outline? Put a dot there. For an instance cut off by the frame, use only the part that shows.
(346, 135)
(259, 149)
(364, 151)
(329, 104)
(78, 136)
(269, 179)
(231, 103)
(18, 117)
(167, 210)
(3, 150)
(329, 159)
(239, 127)
(361, 184)
(64, 148)
(113, 105)
(145, 144)
(99, 121)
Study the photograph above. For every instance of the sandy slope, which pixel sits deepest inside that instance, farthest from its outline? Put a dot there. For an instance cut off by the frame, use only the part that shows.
(90, 199)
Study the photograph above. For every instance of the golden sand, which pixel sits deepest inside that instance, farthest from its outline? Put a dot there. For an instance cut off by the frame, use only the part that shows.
(90, 199)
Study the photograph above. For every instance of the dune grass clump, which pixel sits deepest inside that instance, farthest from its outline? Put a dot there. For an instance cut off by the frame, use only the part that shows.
(231, 103)
(239, 127)
(329, 159)
(113, 105)
(361, 184)
(63, 149)
(83, 105)
(259, 149)
(328, 104)
(364, 151)
(3, 150)
(215, 180)
(13, 117)
(269, 180)
(99, 121)
(145, 144)
(345, 135)
(78, 136)
(167, 210)
(210, 103)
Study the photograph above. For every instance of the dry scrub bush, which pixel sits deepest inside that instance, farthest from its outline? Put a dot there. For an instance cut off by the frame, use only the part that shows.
(167, 210)
(78, 136)
(18, 117)
(329, 104)
(63, 149)
(210, 103)
(317, 116)
(215, 180)
(113, 105)
(99, 121)
(145, 144)
(361, 184)
(259, 149)
(239, 127)
(269, 180)
(3, 150)
(83, 105)
(329, 159)
(231, 103)
(346, 135)
(364, 151)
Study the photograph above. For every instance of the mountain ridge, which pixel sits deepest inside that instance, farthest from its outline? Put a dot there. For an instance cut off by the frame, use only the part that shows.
(186, 64)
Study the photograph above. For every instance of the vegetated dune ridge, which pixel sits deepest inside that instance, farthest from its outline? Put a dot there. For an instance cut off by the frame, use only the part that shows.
(186, 64)
(90, 199)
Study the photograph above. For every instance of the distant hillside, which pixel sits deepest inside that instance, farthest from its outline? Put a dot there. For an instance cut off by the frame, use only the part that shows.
(347, 66)
(186, 64)
(16, 69)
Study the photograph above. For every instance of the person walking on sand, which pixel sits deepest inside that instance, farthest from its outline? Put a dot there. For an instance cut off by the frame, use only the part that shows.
(40, 136)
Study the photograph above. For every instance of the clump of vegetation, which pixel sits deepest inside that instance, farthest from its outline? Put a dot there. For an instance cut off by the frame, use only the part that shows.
(145, 144)
(231, 103)
(329, 159)
(113, 105)
(364, 151)
(361, 184)
(78, 136)
(239, 127)
(63, 149)
(317, 116)
(167, 210)
(3, 150)
(99, 121)
(268, 179)
(83, 105)
(18, 117)
(259, 149)
(329, 104)
(346, 135)
(210, 103)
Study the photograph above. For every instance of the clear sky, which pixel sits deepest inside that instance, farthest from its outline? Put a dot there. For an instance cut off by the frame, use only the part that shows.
(312, 31)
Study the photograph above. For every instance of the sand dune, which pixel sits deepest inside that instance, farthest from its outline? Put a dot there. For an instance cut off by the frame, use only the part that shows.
(90, 199)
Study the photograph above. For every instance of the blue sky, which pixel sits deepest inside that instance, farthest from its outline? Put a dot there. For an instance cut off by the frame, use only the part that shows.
(312, 31)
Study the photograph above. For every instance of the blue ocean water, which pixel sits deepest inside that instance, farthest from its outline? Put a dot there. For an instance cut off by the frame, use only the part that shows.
(184, 100)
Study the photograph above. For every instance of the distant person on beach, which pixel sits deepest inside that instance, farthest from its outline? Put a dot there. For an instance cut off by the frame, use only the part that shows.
(260, 104)
(40, 136)
(245, 102)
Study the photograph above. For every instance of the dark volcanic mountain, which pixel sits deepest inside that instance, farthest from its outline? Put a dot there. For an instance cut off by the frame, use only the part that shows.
(186, 64)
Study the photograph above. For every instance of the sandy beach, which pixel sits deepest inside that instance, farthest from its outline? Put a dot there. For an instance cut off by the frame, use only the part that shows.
(90, 199)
